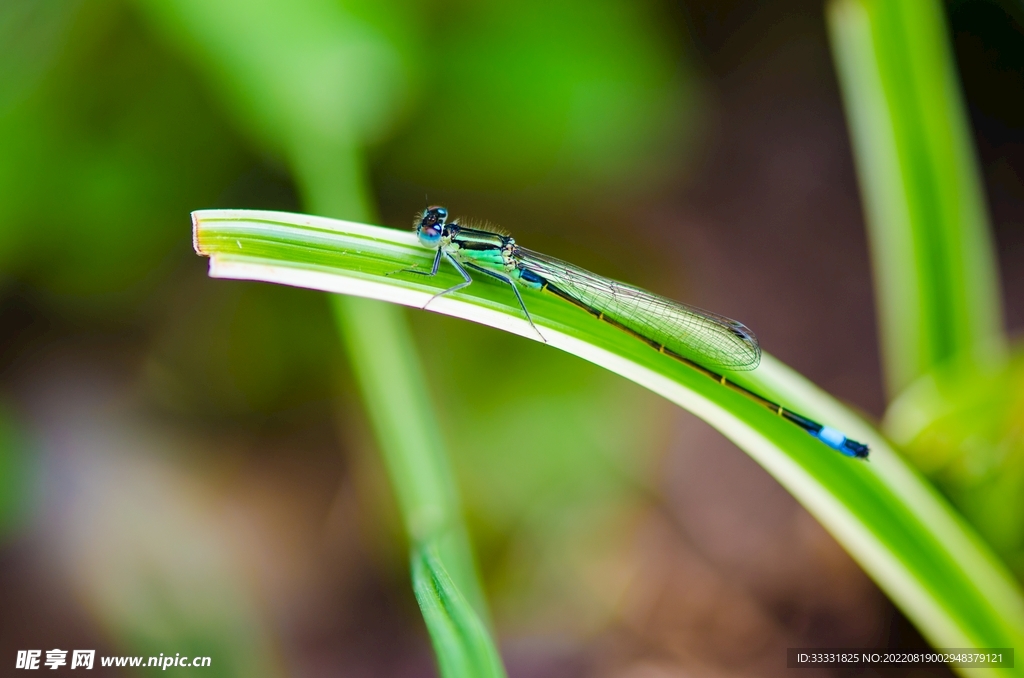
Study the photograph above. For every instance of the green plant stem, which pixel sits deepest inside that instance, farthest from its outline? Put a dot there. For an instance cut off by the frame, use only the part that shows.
(393, 386)
(461, 641)
(935, 269)
(310, 80)
(391, 380)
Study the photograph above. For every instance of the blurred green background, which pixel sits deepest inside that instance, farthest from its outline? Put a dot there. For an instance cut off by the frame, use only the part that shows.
(185, 463)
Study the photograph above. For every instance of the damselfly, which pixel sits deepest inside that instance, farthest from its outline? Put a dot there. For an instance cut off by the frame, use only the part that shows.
(702, 340)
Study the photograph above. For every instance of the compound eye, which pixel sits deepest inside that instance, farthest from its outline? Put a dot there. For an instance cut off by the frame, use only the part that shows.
(435, 215)
(429, 235)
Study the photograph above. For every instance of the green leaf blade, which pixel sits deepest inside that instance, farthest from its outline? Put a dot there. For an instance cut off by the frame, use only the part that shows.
(461, 642)
(890, 520)
(934, 263)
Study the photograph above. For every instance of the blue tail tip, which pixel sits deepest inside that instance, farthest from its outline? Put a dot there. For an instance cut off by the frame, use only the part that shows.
(838, 441)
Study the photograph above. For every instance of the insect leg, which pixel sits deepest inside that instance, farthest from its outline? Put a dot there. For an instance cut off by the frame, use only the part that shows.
(512, 284)
(433, 269)
(467, 280)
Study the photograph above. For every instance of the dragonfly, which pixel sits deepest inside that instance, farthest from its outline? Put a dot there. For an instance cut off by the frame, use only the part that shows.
(707, 342)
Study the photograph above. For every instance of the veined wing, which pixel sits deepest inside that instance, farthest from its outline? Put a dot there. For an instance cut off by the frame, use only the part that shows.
(707, 338)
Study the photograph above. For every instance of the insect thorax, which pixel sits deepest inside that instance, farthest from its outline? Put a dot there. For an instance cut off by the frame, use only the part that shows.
(492, 250)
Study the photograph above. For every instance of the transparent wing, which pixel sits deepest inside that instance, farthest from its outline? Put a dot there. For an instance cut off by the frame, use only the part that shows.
(704, 337)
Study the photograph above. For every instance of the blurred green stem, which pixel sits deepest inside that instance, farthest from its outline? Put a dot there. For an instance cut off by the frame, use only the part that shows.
(461, 641)
(935, 268)
(391, 378)
(312, 79)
